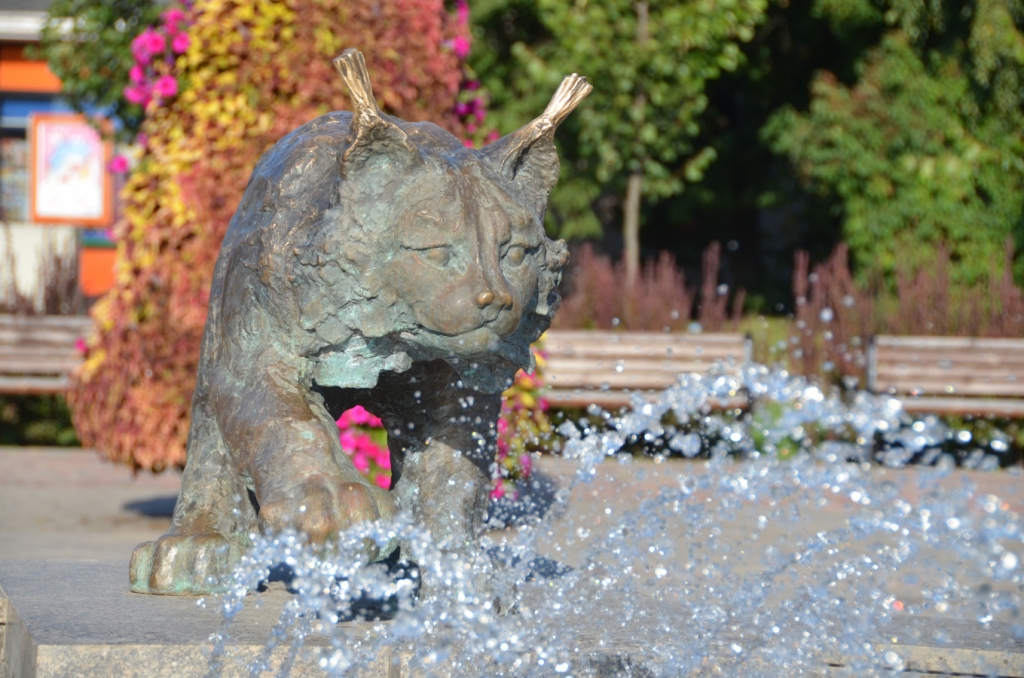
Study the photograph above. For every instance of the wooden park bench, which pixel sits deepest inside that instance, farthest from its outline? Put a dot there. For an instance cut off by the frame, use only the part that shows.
(605, 368)
(950, 375)
(37, 353)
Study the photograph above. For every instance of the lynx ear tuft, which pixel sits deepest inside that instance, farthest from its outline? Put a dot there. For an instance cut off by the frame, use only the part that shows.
(372, 136)
(528, 156)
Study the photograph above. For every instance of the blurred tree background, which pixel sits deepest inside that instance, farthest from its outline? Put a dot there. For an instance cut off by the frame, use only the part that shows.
(771, 127)
(894, 126)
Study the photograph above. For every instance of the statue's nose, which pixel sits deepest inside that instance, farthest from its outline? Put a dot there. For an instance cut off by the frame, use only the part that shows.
(485, 299)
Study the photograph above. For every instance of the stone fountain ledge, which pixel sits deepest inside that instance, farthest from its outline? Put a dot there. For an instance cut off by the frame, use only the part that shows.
(77, 618)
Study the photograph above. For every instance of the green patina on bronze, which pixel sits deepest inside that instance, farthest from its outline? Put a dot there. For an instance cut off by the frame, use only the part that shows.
(376, 262)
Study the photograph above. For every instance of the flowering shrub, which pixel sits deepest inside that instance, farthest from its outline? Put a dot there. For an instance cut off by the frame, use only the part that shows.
(598, 297)
(521, 430)
(471, 105)
(253, 70)
(364, 439)
(155, 51)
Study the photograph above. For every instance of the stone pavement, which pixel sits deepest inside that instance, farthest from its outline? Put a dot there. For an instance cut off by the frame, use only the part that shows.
(70, 504)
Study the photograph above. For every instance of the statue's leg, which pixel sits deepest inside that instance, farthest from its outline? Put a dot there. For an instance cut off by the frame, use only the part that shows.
(285, 439)
(212, 519)
(442, 445)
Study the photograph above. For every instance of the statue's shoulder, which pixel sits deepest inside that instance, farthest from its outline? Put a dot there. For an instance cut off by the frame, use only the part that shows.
(307, 153)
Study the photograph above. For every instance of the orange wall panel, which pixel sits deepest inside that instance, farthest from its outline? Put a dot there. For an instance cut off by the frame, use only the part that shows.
(18, 74)
(96, 270)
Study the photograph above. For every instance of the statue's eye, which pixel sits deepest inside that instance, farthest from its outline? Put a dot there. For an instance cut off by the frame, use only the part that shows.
(515, 255)
(438, 256)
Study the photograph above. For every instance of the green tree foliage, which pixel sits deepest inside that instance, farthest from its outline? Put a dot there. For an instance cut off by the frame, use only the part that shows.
(649, 61)
(519, 84)
(36, 420)
(926, 147)
(87, 44)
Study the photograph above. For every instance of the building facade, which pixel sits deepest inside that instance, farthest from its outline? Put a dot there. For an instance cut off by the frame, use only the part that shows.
(50, 260)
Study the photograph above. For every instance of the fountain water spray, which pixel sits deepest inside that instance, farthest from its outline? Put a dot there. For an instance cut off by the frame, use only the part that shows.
(741, 562)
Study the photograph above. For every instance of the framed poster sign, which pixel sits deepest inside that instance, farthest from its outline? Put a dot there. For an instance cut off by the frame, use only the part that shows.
(69, 179)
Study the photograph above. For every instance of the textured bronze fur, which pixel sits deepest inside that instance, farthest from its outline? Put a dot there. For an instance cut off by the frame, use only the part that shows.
(375, 262)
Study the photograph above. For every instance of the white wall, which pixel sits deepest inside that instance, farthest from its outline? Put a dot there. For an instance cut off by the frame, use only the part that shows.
(29, 244)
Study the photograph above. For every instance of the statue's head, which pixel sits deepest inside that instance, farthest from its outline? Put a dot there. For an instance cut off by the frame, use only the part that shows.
(450, 240)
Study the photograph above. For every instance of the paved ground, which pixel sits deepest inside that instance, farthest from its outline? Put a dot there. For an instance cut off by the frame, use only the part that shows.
(70, 504)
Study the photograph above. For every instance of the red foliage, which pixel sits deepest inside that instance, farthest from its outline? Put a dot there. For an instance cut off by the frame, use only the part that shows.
(835, 317)
(661, 299)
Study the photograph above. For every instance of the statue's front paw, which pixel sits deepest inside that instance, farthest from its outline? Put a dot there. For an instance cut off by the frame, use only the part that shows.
(322, 506)
(183, 564)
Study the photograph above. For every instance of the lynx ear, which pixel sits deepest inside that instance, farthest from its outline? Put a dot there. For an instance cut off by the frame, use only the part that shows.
(527, 156)
(371, 136)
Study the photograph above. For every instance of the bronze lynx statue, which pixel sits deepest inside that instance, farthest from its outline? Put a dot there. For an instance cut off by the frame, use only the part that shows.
(375, 262)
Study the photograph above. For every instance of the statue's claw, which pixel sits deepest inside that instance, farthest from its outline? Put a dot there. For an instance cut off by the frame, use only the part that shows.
(183, 564)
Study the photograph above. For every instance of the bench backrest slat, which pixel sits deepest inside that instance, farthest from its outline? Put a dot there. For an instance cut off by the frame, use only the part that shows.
(37, 353)
(592, 360)
(944, 366)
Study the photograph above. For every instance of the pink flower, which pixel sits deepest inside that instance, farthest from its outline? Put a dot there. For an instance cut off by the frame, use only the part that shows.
(137, 94)
(180, 43)
(493, 136)
(381, 457)
(155, 42)
(499, 490)
(118, 165)
(142, 139)
(173, 17)
(472, 85)
(358, 416)
(383, 481)
(140, 49)
(349, 442)
(361, 463)
(147, 44)
(137, 74)
(526, 464)
(166, 86)
(80, 346)
(462, 8)
(460, 46)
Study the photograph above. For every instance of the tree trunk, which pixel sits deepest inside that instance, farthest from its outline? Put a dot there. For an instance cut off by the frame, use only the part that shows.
(631, 230)
(634, 188)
